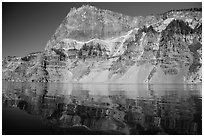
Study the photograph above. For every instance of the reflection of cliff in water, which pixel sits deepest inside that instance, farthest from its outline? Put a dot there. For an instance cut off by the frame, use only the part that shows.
(178, 114)
(148, 111)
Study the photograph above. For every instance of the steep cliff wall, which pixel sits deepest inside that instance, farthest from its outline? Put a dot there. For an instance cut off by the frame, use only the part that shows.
(94, 45)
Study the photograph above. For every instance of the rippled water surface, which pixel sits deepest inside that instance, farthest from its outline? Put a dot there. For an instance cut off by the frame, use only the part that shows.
(51, 108)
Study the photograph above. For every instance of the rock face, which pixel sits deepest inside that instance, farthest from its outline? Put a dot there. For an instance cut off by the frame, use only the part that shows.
(88, 22)
(94, 45)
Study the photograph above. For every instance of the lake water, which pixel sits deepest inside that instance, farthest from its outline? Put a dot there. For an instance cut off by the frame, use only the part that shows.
(54, 108)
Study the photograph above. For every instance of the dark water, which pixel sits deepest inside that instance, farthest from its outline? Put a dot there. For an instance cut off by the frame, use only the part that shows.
(50, 108)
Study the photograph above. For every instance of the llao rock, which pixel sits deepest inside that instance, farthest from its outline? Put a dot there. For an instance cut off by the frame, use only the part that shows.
(95, 45)
(88, 22)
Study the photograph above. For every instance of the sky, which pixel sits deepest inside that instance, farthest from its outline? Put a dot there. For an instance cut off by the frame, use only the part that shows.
(26, 27)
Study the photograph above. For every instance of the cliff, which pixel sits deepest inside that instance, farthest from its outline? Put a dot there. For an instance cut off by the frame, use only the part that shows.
(94, 45)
